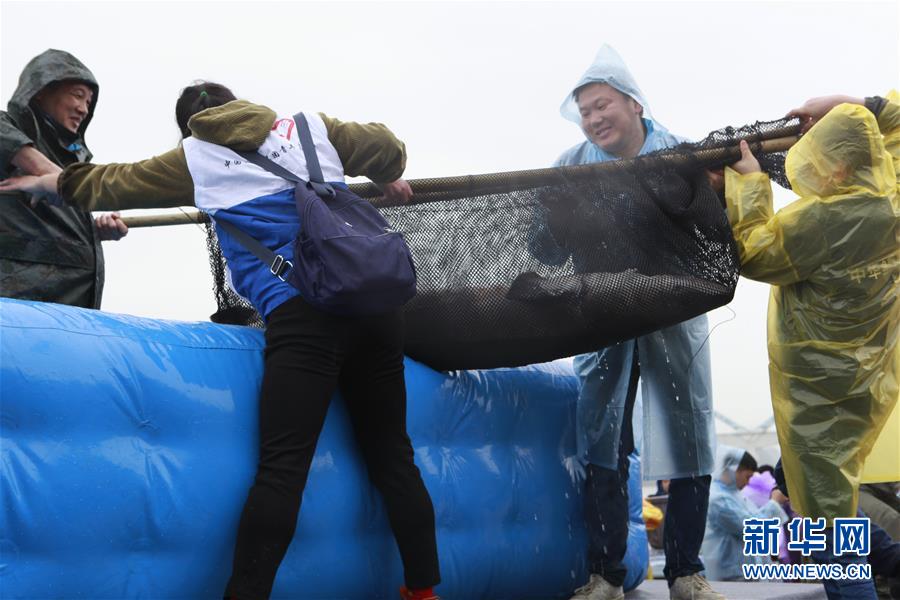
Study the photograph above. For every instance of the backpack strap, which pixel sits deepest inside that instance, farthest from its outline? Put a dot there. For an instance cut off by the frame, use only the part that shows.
(316, 180)
(279, 266)
(268, 164)
(324, 190)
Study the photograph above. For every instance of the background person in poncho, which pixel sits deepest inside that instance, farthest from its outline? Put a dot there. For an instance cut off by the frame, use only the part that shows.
(723, 543)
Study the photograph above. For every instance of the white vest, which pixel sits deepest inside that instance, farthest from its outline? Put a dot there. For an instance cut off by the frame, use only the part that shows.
(222, 179)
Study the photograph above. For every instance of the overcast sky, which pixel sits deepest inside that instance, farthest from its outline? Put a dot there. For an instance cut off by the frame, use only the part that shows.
(471, 87)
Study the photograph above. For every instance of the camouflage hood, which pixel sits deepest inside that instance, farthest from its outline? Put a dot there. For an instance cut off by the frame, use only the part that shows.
(42, 70)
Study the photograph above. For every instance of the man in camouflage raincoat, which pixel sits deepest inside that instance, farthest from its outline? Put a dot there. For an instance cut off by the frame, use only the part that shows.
(50, 253)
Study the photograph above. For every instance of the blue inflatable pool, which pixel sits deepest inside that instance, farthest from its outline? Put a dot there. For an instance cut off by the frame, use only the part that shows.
(129, 444)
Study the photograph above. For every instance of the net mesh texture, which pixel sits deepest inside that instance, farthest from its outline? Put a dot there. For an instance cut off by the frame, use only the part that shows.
(530, 266)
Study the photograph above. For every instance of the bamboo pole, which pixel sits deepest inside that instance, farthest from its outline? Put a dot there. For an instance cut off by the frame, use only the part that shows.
(454, 188)
(186, 217)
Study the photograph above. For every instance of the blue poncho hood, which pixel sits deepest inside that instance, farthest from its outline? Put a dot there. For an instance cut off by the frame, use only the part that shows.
(608, 67)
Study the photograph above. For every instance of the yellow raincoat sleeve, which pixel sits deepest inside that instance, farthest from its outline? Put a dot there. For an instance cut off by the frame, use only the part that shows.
(780, 248)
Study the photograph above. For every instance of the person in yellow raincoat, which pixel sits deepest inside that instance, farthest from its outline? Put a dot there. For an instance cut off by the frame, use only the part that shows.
(833, 259)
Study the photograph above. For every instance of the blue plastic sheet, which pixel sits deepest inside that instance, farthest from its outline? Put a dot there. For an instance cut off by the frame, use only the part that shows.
(129, 444)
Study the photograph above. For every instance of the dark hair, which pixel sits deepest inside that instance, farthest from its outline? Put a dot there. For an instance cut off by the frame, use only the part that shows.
(198, 97)
(765, 469)
(747, 462)
(780, 480)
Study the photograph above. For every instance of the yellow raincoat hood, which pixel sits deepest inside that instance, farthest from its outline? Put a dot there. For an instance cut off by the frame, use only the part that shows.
(833, 259)
(843, 154)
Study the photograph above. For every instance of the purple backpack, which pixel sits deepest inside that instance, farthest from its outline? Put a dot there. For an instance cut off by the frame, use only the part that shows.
(347, 258)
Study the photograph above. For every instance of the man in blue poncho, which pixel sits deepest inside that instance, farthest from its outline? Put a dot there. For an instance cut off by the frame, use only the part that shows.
(723, 546)
(672, 365)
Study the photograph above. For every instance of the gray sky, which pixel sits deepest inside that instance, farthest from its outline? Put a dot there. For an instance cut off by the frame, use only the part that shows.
(471, 87)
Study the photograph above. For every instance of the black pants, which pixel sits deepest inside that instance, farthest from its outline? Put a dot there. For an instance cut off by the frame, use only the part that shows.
(310, 354)
(606, 510)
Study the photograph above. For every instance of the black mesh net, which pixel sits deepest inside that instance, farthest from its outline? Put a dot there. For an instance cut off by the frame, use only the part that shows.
(524, 267)
(232, 308)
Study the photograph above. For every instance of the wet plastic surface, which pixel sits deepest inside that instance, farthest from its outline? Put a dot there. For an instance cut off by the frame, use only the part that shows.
(129, 444)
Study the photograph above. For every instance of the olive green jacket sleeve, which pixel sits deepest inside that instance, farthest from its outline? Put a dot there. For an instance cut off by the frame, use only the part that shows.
(164, 181)
(159, 182)
(367, 149)
(777, 248)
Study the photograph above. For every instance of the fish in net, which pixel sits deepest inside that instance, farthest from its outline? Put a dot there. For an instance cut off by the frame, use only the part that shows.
(524, 267)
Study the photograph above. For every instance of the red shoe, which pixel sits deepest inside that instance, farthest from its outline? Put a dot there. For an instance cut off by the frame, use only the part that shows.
(426, 594)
